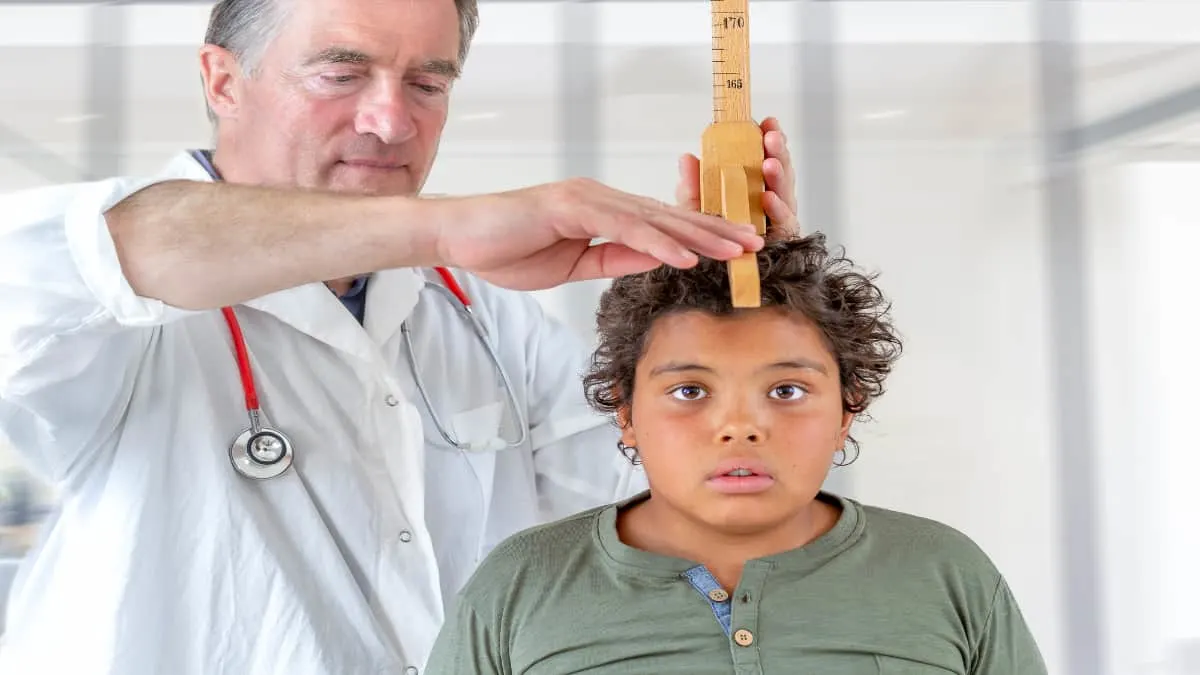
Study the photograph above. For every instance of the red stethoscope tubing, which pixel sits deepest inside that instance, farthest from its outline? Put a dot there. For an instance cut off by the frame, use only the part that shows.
(452, 284)
(243, 357)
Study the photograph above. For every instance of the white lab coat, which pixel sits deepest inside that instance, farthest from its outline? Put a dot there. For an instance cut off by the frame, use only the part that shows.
(163, 560)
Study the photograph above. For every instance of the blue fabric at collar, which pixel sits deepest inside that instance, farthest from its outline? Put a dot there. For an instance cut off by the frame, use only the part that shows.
(354, 299)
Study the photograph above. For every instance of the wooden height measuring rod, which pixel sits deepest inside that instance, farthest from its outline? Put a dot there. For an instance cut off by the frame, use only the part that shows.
(731, 154)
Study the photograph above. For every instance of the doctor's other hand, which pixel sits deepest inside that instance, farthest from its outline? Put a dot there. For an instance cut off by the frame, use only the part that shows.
(779, 197)
(540, 237)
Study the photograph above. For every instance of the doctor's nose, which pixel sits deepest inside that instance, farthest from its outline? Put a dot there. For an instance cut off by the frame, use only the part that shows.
(385, 114)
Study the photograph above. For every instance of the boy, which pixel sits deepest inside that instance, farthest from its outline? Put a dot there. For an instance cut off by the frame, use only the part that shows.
(735, 561)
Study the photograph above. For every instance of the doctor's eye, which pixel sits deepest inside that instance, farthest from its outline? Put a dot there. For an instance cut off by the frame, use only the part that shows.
(788, 392)
(688, 392)
(337, 79)
(431, 89)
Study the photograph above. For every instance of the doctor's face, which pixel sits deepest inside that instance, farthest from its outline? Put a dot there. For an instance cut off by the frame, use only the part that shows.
(737, 420)
(350, 95)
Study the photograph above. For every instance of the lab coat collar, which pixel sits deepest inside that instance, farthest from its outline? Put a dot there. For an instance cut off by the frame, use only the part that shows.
(316, 311)
(391, 297)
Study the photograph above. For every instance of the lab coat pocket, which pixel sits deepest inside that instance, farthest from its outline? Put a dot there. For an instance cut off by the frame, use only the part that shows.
(479, 428)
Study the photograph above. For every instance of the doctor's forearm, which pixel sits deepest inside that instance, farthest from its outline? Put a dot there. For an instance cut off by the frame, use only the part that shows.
(206, 245)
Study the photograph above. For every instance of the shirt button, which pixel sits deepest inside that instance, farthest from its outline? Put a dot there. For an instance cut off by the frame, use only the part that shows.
(391, 400)
(743, 637)
(718, 595)
(405, 536)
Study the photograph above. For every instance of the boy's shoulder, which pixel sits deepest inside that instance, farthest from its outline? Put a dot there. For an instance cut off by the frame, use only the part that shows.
(536, 553)
(567, 533)
(897, 533)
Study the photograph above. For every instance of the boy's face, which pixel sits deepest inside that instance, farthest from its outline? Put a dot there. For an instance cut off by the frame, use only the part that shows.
(736, 419)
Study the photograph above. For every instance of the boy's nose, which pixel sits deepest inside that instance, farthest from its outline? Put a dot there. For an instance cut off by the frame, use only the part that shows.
(731, 435)
(741, 424)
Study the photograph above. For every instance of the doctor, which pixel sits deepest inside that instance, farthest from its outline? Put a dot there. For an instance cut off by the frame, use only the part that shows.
(284, 282)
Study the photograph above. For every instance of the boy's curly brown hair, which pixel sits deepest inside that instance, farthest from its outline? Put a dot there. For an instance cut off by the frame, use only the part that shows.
(796, 273)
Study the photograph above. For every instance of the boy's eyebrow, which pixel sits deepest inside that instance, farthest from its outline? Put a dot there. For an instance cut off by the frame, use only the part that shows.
(800, 364)
(789, 364)
(675, 367)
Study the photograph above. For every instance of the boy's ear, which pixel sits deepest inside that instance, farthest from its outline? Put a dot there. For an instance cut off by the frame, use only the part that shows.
(844, 432)
(623, 416)
(614, 394)
(625, 422)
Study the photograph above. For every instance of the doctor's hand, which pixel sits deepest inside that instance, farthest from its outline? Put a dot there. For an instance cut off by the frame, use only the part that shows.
(540, 237)
(779, 197)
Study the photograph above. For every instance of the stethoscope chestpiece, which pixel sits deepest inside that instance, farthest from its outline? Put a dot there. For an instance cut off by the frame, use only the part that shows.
(260, 452)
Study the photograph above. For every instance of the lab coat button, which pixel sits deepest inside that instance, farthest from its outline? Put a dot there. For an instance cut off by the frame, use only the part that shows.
(411, 670)
(405, 536)
(391, 400)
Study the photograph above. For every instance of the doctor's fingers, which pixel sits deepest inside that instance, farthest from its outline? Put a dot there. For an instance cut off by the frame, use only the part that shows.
(582, 208)
(687, 190)
(672, 234)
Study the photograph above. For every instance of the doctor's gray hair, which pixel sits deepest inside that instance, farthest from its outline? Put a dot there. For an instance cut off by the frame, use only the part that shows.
(246, 28)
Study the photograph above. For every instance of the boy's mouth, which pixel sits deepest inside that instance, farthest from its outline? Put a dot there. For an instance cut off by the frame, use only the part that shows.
(740, 476)
(740, 467)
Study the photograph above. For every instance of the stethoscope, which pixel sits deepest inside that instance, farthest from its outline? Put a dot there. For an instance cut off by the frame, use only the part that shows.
(261, 451)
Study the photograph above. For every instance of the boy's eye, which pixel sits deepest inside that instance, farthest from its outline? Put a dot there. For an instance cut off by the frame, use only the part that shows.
(789, 392)
(688, 392)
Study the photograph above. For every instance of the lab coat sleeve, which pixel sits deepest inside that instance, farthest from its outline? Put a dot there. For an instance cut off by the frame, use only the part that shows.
(1007, 646)
(72, 330)
(575, 448)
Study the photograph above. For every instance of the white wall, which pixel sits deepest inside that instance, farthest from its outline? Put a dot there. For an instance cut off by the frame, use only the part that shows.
(1144, 250)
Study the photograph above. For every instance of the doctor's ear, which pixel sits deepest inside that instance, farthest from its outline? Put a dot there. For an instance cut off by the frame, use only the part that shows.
(220, 73)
